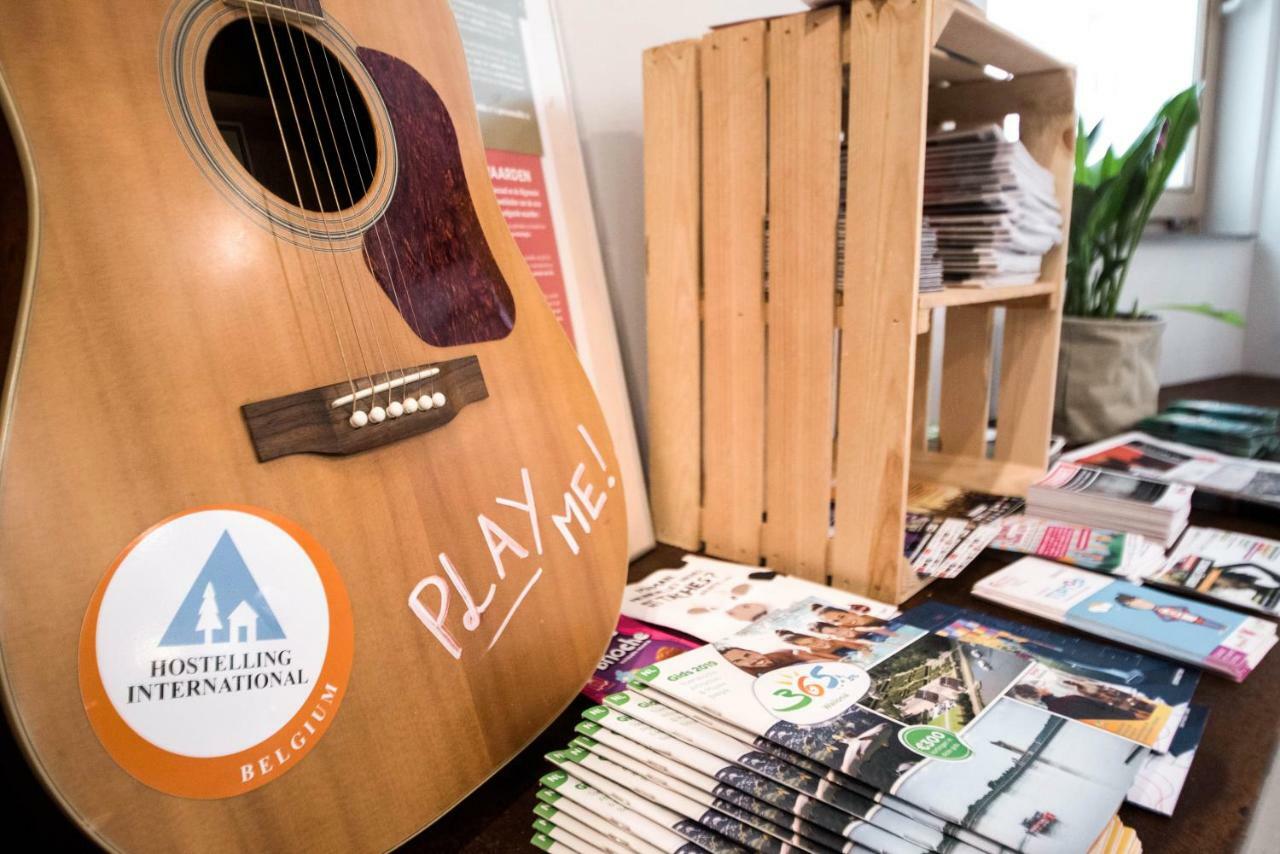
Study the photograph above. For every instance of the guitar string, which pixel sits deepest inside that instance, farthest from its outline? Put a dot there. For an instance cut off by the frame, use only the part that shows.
(315, 186)
(349, 103)
(297, 191)
(380, 227)
(393, 411)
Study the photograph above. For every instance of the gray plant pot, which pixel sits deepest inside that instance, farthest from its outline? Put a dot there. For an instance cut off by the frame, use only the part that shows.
(1107, 378)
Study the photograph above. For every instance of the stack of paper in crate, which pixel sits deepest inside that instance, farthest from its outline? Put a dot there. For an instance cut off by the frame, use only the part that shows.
(940, 730)
(1106, 499)
(1185, 630)
(994, 207)
(930, 261)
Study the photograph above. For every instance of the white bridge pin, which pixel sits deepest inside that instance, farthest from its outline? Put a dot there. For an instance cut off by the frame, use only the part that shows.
(425, 402)
(377, 415)
(395, 409)
(410, 405)
(438, 398)
(358, 419)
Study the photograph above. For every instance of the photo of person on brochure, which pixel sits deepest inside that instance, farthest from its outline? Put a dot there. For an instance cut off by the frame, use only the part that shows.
(757, 663)
(1085, 701)
(1168, 613)
(853, 619)
(833, 647)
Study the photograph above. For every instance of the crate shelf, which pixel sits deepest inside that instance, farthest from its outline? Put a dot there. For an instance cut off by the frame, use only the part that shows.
(762, 408)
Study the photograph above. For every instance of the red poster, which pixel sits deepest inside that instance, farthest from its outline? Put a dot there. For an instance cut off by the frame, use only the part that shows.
(522, 195)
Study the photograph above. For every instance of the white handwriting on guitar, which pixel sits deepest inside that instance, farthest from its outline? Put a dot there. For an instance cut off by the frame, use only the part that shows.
(583, 504)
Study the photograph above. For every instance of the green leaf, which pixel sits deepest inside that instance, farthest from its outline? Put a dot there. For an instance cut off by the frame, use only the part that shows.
(1203, 308)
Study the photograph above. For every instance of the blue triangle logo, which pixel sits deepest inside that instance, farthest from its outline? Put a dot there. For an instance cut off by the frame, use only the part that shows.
(224, 605)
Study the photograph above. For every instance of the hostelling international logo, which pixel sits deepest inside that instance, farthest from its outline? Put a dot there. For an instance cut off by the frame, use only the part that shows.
(216, 651)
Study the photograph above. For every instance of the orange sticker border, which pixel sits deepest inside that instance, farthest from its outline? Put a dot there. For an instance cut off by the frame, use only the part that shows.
(220, 776)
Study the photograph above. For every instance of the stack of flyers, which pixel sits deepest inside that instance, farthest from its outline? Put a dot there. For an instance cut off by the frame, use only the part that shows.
(993, 206)
(1265, 416)
(1098, 549)
(940, 730)
(948, 527)
(1117, 839)
(710, 599)
(634, 645)
(1099, 498)
(1219, 474)
(1228, 436)
(1185, 630)
(1238, 569)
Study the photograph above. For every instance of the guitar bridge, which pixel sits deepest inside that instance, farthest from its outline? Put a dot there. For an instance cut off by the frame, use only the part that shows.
(321, 420)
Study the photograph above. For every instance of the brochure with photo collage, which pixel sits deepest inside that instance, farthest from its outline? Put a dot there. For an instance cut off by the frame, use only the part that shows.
(1010, 736)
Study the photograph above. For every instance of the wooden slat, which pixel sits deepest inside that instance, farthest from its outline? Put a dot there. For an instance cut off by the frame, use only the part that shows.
(920, 393)
(968, 33)
(888, 76)
(991, 100)
(954, 69)
(977, 473)
(966, 381)
(733, 208)
(995, 294)
(1029, 358)
(672, 199)
(804, 198)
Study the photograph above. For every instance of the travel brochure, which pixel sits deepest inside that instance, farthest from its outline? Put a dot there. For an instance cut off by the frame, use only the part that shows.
(1098, 549)
(634, 646)
(1000, 734)
(710, 599)
(1191, 631)
(1144, 455)
(1239, 570)
(1096, 497)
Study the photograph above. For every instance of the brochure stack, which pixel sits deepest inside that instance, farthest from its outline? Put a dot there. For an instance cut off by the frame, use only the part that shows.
(1101, 498)
(940, 729)
(1186, 630)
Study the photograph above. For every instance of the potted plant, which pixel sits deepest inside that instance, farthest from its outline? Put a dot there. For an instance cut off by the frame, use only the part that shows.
(1107, 364)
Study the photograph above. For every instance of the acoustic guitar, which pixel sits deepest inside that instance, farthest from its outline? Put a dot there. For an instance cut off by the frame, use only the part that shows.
(309, 520)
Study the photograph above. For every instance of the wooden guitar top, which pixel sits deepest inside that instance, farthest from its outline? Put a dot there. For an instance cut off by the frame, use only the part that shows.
(323, 651)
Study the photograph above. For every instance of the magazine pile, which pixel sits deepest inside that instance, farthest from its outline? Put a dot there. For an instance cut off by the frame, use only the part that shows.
(1232, 428)
(1099, 498)
(939, 730)
(634, 646)
(1098, 549)
(1209, 472)
(993, 206)
(948, 527)
(1186, 630)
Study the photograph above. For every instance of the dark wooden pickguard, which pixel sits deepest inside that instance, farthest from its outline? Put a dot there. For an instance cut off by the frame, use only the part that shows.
(305, 423)
(429, 247)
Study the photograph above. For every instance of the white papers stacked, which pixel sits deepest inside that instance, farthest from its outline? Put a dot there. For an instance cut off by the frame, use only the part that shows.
(993, 206)
(1098, 549)
(1106, 499)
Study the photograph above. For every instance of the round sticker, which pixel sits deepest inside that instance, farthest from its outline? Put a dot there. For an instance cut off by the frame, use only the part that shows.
(812, 692)
(216, 651)
(935, 743)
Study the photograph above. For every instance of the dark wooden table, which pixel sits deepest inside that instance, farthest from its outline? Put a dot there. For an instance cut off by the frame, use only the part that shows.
(1213, 814)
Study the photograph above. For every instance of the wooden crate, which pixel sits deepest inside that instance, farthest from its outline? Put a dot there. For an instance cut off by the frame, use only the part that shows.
(774, 396)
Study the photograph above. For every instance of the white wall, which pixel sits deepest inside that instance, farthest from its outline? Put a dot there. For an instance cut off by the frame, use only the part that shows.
(1194, 269)
(603, 42)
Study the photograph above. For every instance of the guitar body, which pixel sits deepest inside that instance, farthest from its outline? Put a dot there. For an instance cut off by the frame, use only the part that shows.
(159, 296)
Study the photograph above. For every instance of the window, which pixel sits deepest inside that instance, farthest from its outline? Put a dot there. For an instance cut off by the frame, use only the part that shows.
(1130, 57)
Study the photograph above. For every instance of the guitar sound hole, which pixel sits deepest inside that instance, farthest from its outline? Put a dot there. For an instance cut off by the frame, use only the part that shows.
(327, 157)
